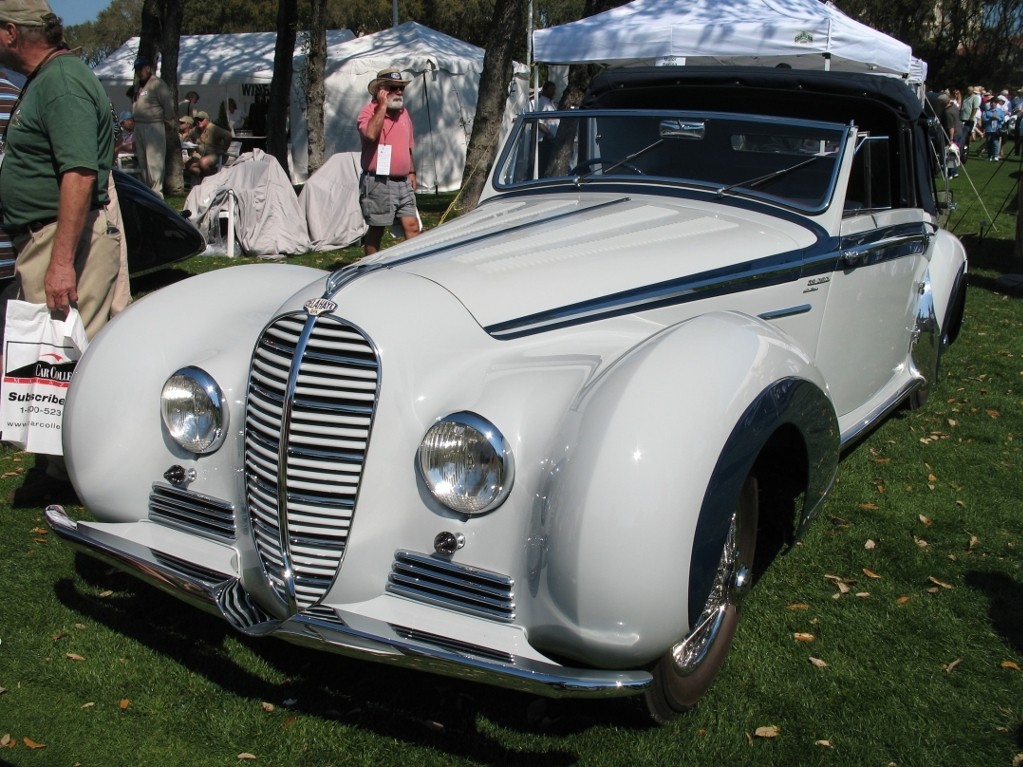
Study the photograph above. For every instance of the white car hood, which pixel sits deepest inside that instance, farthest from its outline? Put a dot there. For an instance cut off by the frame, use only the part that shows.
(516, 257)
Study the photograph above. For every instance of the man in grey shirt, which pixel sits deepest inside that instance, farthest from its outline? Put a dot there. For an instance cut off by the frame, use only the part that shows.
(155, 115)
(968, 115)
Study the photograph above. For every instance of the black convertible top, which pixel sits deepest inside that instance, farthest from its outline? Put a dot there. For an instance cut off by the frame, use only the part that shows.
(876, 104)
(761, 90)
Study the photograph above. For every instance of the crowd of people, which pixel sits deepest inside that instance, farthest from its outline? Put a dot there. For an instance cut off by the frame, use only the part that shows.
(979, 120)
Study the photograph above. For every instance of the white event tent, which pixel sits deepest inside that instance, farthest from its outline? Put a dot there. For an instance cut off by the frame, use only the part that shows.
(217, 67)
(444, 75)
(801, 33)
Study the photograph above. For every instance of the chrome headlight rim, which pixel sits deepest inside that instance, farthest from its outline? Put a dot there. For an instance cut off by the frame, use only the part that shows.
(199, 381)
(500, 451)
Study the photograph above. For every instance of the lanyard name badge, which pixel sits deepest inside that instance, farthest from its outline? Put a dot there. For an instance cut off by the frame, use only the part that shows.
(383, 159)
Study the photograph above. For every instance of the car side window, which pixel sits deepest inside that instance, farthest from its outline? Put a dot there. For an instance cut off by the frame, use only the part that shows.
(870, 183)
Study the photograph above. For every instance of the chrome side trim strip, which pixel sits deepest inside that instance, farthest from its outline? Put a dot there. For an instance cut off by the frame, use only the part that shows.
(791, 311)
(352, 635)
(872, 419)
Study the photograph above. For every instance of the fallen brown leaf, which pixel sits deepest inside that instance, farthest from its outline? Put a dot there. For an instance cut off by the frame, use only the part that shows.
(818, 663)
(992, 413)
(936, 582)
(771, 731)
(901, 600)
(871, 574)
(927, 522)
(798, 606)
(950, 667)
(59, 635)
(6, 741)
(1010, 664)
(74, 656)
(124, 703)
(29, 743)
(245, 755)
(268, 707)
(868, 506)
(869, 545)
(90, 704)
(106, 594)
(802, 636)
(823, 743)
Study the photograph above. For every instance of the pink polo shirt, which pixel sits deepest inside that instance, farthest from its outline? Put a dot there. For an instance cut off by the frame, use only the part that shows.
(396, 131)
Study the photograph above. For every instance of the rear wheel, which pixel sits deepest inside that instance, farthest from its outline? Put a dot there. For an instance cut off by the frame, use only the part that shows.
(685, 672)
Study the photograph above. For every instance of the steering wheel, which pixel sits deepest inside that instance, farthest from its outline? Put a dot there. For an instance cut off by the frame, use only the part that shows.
(604, 161)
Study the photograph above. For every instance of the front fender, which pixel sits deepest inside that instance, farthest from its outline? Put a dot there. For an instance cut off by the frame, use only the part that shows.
(114, 397)
(618, 517)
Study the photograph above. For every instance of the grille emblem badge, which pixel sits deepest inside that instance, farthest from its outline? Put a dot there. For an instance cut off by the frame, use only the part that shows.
(314, 307)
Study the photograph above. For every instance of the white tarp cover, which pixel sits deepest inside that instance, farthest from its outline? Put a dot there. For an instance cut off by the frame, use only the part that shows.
(268, 220)
(441, 98)
(214, 66)
(765, 32)
(330, 201)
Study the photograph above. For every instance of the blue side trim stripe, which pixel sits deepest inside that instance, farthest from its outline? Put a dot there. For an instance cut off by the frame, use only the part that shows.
(825, 257)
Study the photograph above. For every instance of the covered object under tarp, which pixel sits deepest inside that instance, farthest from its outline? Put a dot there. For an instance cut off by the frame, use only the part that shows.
(441, 98)
(267, 218)
(330, 202)
(801, 33)
(217, 67)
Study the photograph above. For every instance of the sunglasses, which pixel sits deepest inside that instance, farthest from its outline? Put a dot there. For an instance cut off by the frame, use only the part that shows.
(395, 88)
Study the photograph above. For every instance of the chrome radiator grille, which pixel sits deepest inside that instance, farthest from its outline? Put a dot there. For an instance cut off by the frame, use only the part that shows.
(312, 391)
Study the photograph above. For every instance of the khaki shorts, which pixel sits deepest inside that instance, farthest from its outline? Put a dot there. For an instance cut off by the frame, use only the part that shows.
(385, 199)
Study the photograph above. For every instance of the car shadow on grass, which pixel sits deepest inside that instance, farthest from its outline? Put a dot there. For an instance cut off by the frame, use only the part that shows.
(411, 706)
(1005, 612)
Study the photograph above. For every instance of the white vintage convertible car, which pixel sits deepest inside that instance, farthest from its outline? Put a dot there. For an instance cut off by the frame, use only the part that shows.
(538, 446)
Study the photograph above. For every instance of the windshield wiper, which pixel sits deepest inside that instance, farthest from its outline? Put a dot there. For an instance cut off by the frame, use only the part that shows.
(623, 161)
(758, 180)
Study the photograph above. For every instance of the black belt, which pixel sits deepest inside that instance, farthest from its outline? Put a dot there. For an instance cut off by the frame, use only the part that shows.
(379, 177)
(35, 226)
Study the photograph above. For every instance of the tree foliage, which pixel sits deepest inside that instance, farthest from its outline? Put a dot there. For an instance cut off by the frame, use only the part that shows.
(962, 41)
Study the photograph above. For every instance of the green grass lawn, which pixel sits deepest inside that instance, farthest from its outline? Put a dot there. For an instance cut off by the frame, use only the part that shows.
(910, 584)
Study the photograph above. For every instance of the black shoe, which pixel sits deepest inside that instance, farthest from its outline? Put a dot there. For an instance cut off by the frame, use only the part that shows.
(40, 491)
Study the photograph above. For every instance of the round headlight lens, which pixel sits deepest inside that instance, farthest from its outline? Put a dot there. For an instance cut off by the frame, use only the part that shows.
(466, 463)
(194, 410)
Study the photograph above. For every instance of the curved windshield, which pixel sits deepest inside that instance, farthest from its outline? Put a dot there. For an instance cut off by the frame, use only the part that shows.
(795, 162)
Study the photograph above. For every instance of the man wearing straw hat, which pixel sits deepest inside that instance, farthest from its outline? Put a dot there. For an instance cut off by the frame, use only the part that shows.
(388, 184)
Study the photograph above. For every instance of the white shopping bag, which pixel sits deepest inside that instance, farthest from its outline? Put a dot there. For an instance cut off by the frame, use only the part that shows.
(40, 355)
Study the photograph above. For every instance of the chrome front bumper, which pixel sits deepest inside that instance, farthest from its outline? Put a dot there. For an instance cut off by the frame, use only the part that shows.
(345, 632)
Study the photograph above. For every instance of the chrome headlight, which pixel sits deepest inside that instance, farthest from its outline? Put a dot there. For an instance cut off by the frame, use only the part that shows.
(466, 463)
(194, 410)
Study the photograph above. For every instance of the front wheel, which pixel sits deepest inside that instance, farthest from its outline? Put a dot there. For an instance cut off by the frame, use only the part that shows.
(685, 672)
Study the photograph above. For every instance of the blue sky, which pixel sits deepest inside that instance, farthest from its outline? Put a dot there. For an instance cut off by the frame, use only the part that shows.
(78, 11)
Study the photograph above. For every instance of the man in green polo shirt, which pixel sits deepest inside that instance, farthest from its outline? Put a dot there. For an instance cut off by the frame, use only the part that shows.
(53, 182)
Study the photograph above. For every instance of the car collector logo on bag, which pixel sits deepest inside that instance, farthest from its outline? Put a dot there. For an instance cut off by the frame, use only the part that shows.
(52, 367)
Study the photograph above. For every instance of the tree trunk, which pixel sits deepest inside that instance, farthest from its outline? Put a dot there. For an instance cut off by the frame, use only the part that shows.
(170, 39)
(506, 28)
(315, 69)
(280, 85)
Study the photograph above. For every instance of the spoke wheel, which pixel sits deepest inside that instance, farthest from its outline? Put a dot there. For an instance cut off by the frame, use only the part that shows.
(685, 672)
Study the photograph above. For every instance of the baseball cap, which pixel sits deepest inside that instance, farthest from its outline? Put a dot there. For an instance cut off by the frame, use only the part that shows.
(31, 13)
